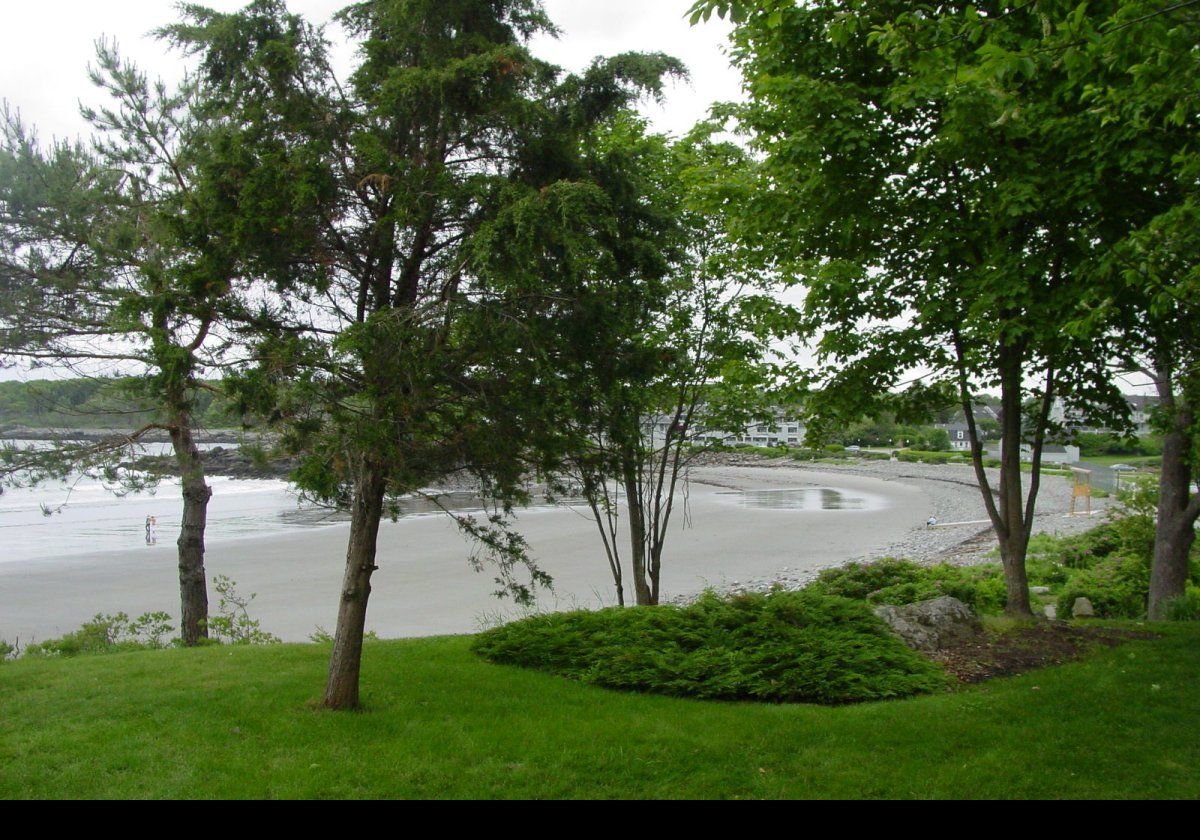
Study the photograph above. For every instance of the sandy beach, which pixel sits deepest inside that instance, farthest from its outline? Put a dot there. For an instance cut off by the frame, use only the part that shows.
(425, 586)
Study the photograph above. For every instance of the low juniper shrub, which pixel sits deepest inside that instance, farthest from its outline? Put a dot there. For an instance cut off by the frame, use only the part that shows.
(778, 647)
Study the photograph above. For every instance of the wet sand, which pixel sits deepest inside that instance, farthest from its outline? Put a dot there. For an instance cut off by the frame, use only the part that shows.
(425, 586)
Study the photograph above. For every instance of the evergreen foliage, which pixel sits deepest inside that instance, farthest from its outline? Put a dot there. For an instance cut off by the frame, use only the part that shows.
(782, 647)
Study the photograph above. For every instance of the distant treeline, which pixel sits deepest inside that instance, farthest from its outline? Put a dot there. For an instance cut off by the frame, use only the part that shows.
(97, 404)
(1093, 444)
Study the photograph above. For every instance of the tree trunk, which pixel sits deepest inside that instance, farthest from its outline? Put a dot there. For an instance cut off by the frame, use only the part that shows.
(1016, 582)
(1012, 517)
(341, 691)
(1173, 540)
(637, 533)
(1013, 533)
(656, 571)
(1175, 531)
(193, 585)
(604, 515)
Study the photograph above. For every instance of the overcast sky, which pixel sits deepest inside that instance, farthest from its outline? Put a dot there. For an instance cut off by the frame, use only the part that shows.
(45, 46)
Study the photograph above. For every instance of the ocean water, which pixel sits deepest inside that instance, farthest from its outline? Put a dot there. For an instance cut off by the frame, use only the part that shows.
(84, 514)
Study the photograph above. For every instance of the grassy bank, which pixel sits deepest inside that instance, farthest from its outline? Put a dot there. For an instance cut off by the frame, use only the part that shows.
(236, 722)
(1150, 461)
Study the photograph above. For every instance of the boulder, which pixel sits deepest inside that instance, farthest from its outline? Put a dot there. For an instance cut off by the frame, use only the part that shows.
(1083, 609)
(934, 625)
(1051, 612)
(1039, 590)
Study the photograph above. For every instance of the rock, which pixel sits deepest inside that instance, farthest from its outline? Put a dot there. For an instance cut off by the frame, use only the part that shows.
(1039, 590)
(1083, 609)
(1051, 612)
(932, 625)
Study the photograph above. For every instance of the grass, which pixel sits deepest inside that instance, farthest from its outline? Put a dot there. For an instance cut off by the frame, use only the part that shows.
(1132, 460)
(439, 722)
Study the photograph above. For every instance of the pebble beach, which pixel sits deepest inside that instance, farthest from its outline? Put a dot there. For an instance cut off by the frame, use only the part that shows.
(953, 496)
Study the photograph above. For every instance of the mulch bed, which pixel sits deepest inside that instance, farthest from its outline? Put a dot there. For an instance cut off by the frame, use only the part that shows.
(1026, 648)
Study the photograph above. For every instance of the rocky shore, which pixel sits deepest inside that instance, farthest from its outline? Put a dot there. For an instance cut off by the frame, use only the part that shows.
(223, 436)
(220, 461)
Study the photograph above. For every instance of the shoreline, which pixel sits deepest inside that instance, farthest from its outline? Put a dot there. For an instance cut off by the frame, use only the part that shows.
(425, 585)
(954, 497)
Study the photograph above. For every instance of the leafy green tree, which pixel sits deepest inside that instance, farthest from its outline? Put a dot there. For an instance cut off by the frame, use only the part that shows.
(937, 440)
(414, 333)
(1136, 67)
(666, 356)
(924, 176)
(107, 266)
(988, 429)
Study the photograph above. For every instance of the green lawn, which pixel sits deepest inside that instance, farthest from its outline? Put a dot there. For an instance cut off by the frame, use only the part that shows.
(237, 722)
(1132, 460)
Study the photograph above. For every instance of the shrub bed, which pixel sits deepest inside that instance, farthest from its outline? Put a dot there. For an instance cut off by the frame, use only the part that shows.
(875, 456)
(1186, 607)
(1109, 565)
(892, 581)
(781, 647)
(916, 456)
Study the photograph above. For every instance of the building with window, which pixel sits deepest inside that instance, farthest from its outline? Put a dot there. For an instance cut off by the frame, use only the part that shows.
(784, 430)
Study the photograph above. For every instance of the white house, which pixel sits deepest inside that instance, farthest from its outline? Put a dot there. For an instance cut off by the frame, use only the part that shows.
(784, 430)
(960, 436)
(1052, 453)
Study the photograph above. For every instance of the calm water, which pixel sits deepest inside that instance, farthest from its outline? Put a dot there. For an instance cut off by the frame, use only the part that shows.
(57, 520)
(85, 515)
(805, 498)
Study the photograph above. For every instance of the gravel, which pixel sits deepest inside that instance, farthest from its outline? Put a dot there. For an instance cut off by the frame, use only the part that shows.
(955, 498)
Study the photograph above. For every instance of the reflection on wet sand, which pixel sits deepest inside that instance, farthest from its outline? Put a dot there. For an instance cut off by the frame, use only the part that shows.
(803, 498)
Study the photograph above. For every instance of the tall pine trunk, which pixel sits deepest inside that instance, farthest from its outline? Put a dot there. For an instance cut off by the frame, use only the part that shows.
(656, 571)
(643, 591)
(193, 584)
(341, 690)
(1175, 530)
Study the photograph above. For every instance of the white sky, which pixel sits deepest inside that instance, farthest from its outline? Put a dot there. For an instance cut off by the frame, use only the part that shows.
(45, 46)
